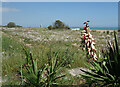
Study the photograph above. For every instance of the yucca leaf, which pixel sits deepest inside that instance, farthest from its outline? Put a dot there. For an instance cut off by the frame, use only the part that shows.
(40, 74)
(58, 77)
(110, 76)
(109, 61)
(58, 66)
(104, 64)
(32, 78)
(94, 74)
(116, 43)
(21, 74)
(90, 76)
(89, 66)
(28, 69)
(35, 67)
(54, 64)
(99, 67)
(95, 67)
(27, 55)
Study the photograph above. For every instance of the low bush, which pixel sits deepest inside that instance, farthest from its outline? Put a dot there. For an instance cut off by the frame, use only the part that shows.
(58, 25)
(50, 27)
(67, 27)
(11, 24)
(108, 32)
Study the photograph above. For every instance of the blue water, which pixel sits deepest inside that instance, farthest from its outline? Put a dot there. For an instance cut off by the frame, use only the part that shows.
(98, 28)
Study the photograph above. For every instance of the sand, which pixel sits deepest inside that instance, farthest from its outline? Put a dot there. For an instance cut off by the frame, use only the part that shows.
(105, 30)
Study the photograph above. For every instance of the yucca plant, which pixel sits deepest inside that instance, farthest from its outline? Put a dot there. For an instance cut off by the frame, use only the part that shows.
(43, 77)
(53, 69)
(106, 70)
(30, 75)
(64, 56)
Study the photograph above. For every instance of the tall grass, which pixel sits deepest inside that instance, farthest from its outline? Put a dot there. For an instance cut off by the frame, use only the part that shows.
(11, 60)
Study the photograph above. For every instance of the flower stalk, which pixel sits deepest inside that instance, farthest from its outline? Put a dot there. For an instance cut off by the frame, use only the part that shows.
(88, 42)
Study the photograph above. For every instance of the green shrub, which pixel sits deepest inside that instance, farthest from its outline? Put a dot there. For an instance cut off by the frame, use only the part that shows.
(108, 32)
(50, 27)
(111, 33)
(58, 25)
(11, 24)
(93, 30)
(18, 26)
(67, 27)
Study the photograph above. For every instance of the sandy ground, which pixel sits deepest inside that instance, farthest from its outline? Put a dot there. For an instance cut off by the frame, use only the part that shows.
(105, 30)
(96, 30)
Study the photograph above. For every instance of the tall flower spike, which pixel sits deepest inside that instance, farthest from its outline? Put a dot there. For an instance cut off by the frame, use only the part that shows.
(88, 43)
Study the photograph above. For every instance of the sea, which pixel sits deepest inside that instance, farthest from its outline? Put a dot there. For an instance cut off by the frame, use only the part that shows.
(98, 28)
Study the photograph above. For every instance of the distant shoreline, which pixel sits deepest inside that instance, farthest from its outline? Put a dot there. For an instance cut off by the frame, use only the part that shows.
(96, 28)
(104, 30)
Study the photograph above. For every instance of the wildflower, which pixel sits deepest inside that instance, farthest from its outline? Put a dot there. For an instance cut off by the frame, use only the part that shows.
(87, 42)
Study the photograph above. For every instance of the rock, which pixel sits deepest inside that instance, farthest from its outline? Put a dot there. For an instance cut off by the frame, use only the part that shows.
(28, 45)
(77, 71)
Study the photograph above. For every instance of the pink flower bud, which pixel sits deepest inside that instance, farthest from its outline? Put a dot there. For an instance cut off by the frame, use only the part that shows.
(81, 45)
(92, 46)
(88, 35)
(92, 53)
(86, 41)
(83, 48)
(89, 49)
(87, 44)
(93, 39)
(95, 50)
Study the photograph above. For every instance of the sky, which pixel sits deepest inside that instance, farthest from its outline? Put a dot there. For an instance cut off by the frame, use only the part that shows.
(73, 14)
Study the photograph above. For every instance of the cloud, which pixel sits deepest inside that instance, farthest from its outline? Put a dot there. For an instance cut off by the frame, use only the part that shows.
(3, 9)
